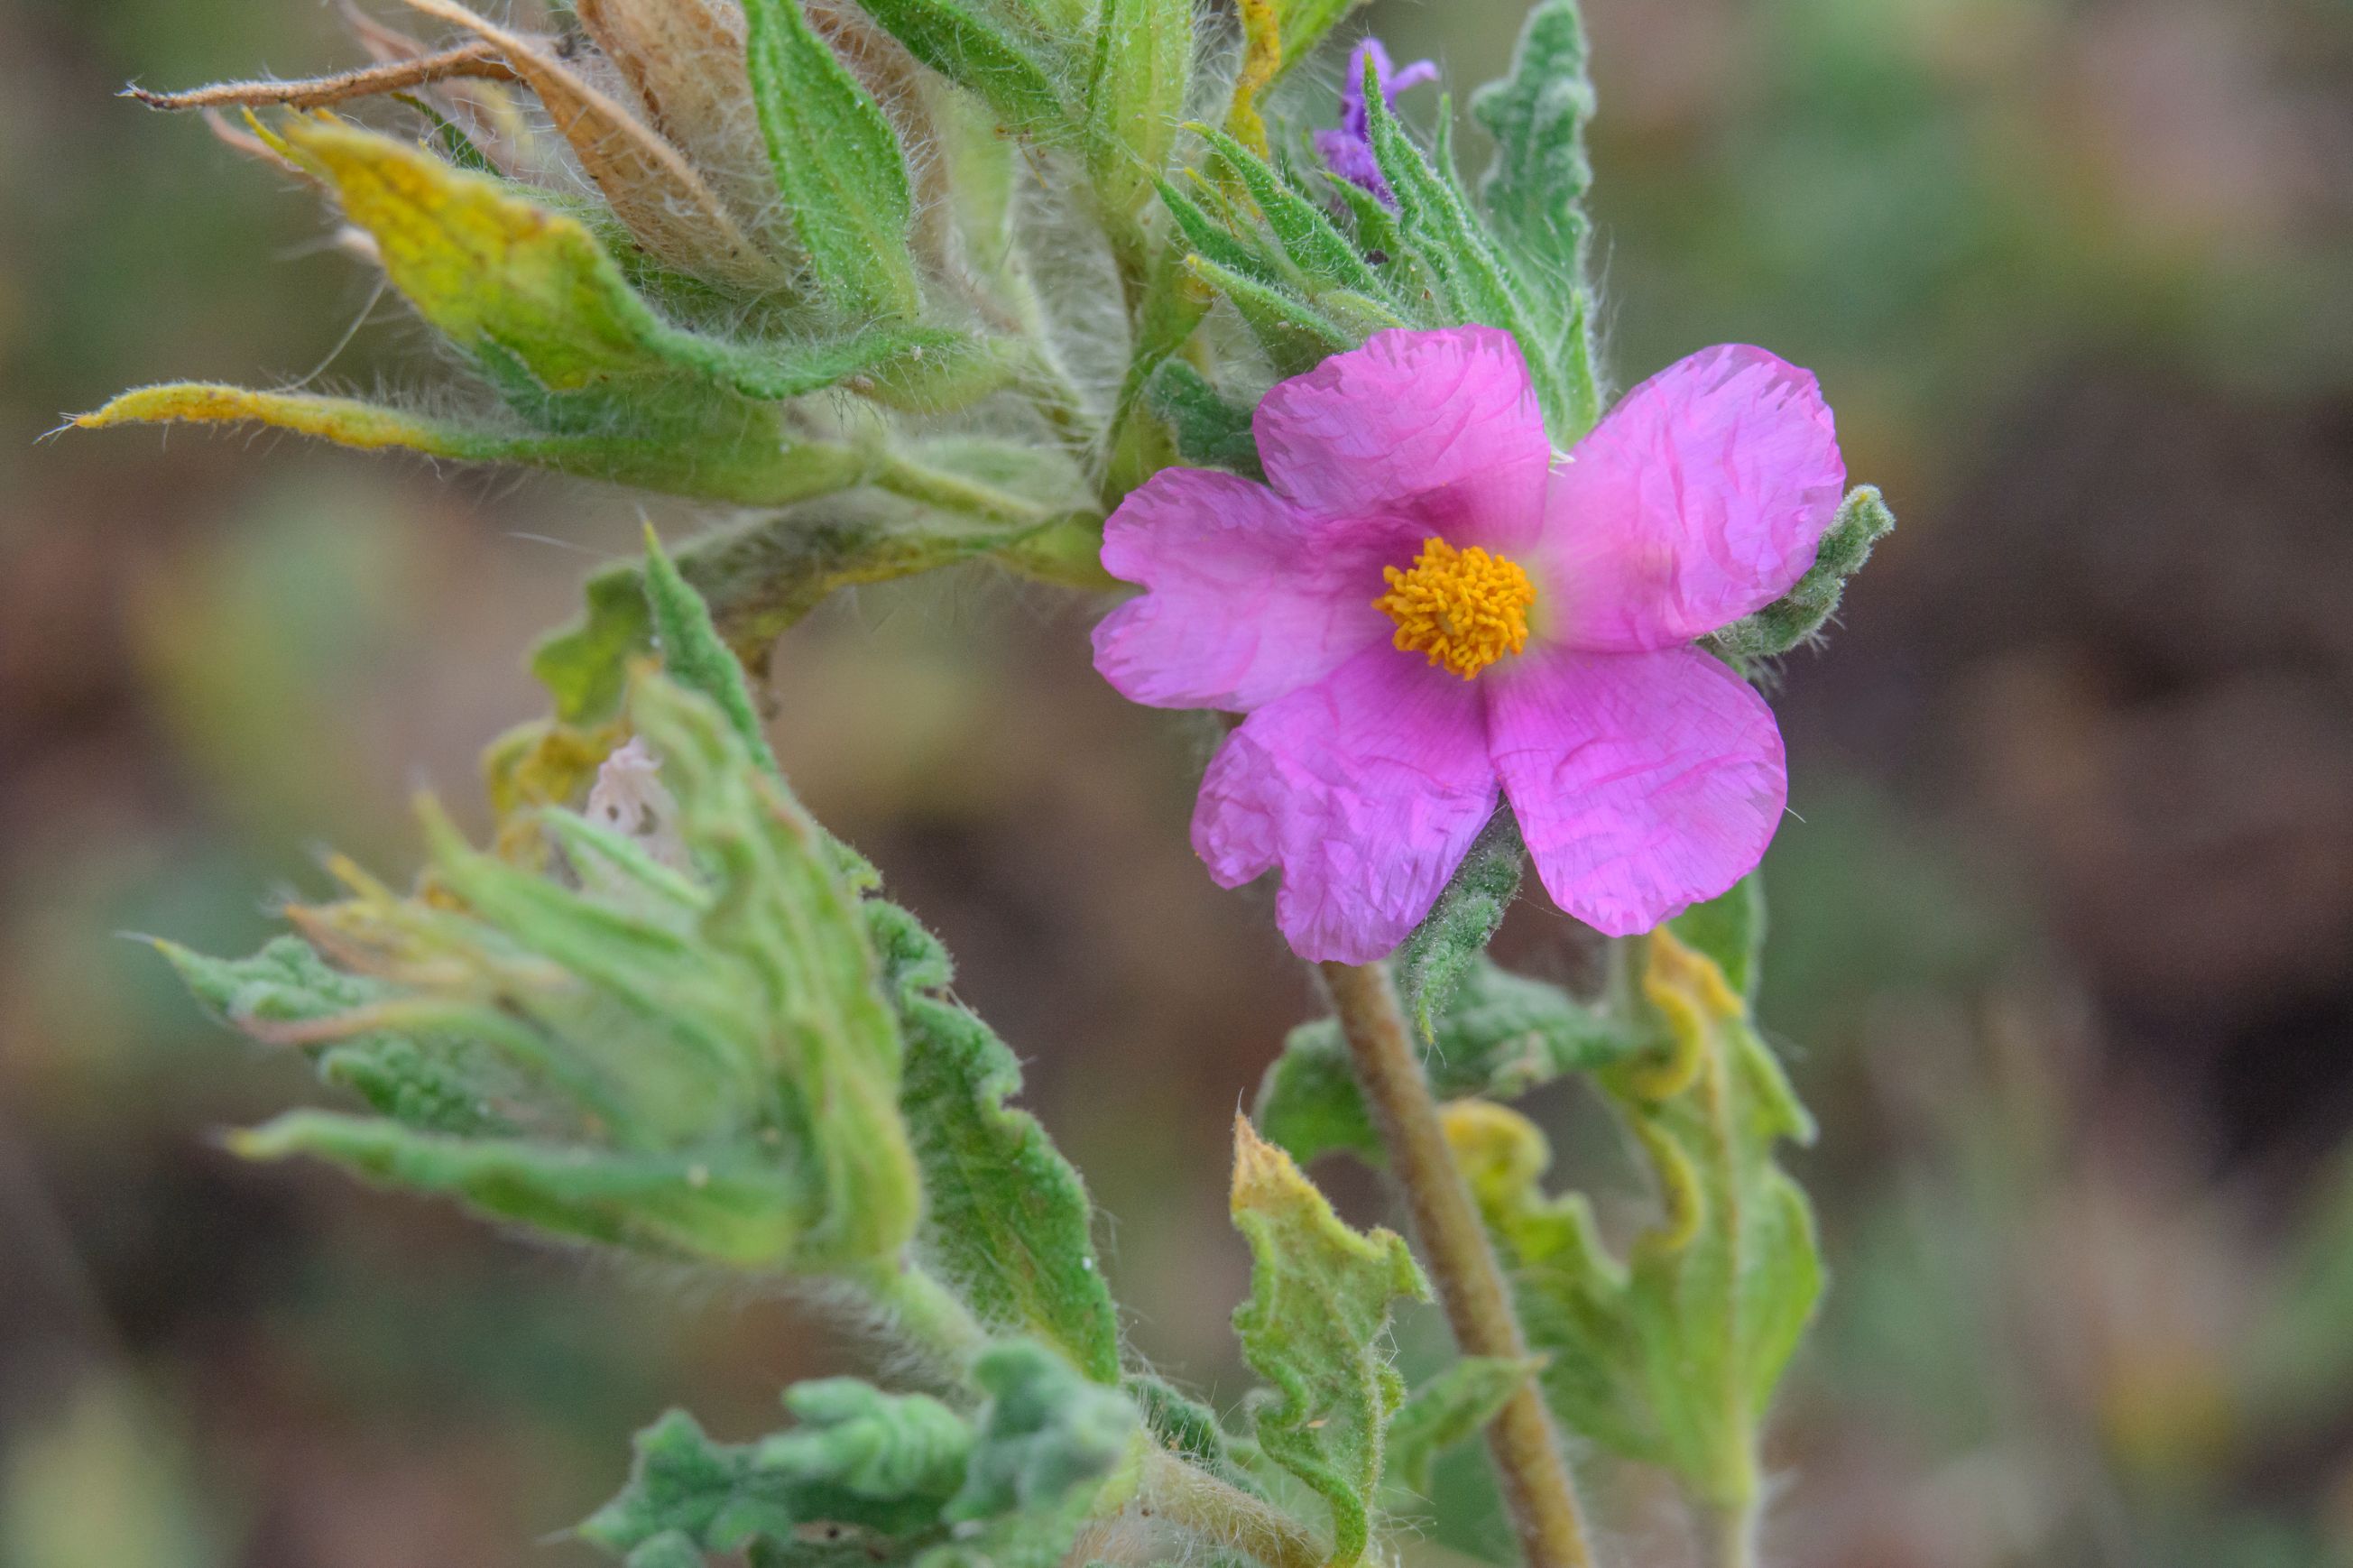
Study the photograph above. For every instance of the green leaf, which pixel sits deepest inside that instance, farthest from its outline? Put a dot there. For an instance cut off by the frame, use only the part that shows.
(1670, 1357)
(1453, 1406)
(1729, 930)
(1046, 1434)
(697, 1059)
(1007, 1220)
(1317, 249)
(1499, 1035)
(1295, 336)
(838, 164)
(433, 1081)
(695, 655)
(758, 578)
(1316, 1327)
(1472, 278)
(1210, 432)
(976, 55)
(746, 461)
(861, 1467)
(1533, 191)
(1436, 955)
(726, 1211)
(1798, 616)
(1143, 64)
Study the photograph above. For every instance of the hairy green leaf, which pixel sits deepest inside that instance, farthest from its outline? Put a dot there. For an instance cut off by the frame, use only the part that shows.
(1007, 1219)
(1533, 191)
(1670, 1357)
(976, 55)
(697, 1058)
(694, 655)
(1450, 1409)
(1143, 64)
(838, 164)
(1046, 1435)
(1315, 1327)
(1210, 432)
(1498, 1035)
(1798, 616)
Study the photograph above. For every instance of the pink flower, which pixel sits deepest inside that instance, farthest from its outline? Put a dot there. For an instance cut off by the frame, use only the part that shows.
(1426, 607)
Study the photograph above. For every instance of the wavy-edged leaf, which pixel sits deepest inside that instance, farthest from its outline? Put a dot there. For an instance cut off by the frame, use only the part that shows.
(1452, 1407)
(838, 165)
(1316, 1327)
(1670, 1357)
(697, 1059)
(1498, 1035)
(1007, 1219)
(1534, 190)
(1729, 930)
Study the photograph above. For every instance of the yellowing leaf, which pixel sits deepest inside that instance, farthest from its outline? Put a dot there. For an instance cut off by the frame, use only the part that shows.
(1672, 1356)
(1315, 1326)
(751, 465)
(484, 264)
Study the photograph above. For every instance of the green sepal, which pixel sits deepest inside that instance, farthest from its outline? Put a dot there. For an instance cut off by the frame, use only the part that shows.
(1499, 1035)
(838, 164)
(1295, 336)
(1316, 1327)
(1450, 1409)
(1798, 616)
(1437, 953)
(1209, 431)
(1671, 1356)
(1317, 249)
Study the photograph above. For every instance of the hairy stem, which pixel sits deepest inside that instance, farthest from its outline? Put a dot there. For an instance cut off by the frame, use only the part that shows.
(1193, 1499)
(1728, 1537)
(1535, 1481)
(924, 1313)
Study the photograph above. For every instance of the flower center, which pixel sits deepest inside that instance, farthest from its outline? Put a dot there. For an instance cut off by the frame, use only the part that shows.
(1464, 609)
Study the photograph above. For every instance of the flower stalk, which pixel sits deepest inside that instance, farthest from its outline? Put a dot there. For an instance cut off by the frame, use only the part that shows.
(1538, 1491)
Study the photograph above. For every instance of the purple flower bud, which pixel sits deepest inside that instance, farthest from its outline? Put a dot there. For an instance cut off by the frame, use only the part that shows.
(1347, 149)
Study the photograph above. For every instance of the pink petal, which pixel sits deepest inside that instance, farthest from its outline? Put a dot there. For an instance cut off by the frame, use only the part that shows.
(1440, 427)
(1644, 782)
(1250, 597)
(1702, 497)
(1365, 788)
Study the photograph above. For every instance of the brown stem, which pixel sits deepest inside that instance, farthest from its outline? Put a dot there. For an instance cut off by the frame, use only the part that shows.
(1536, 1482)
(474, 59)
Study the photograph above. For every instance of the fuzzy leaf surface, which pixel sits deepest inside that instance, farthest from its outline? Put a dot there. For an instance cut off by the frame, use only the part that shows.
(838, 164)
(1007, 1220)
(1798, 616)
(1452, 1407)
(1316, 1328)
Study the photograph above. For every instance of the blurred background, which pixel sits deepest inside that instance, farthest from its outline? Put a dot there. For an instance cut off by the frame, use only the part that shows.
(2063, 952)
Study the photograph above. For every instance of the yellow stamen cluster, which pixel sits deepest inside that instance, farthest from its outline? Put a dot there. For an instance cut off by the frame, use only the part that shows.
(1464, 609)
